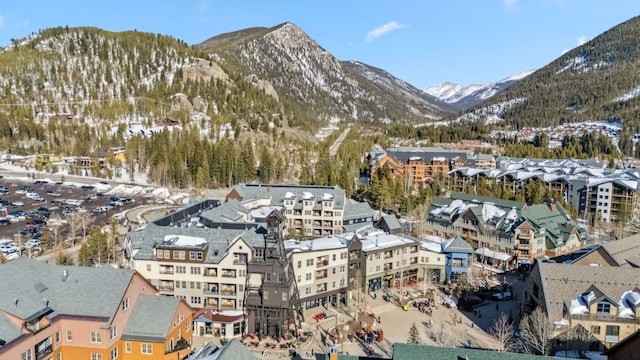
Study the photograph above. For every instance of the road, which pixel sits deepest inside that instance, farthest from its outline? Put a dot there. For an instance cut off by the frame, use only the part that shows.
(336, 145)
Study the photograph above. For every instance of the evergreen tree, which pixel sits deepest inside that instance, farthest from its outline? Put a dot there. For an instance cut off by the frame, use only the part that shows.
(414, 335)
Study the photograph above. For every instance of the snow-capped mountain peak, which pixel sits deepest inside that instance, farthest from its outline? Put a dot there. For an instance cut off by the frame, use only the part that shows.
(467, 96)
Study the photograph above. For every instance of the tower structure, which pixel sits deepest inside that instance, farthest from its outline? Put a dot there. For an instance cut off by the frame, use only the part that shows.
(272, 302)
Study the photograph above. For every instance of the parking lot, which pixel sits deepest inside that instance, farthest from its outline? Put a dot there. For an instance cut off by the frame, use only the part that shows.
(29, 206)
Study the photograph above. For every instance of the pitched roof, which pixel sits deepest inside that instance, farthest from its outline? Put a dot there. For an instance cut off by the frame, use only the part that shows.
(624, 251)
(37, 286)
(412, 352)
(234, 350)
(151, 318)
(457, 245)
(146, 239)
(562, 283)
(276, 193)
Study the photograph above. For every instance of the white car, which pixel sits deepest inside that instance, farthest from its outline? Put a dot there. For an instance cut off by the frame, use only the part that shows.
(17, 203)
(21, 191)
(53, 193)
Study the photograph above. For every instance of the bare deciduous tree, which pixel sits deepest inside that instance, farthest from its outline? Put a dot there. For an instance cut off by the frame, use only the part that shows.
(442, 336)
(536, 333)
(503, 331)
(85, 219)
(74, 222)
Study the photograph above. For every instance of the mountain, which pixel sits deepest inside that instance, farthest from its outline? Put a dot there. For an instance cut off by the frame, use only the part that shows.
(312, 81)
(463, 97)
(596, 81)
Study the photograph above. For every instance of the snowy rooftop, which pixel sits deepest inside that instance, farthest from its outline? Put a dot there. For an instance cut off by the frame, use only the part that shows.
(307, 195)
(327, 196)
(324, 243)
(183, 241)
(262, 212)
(289, 195)
(376, 241)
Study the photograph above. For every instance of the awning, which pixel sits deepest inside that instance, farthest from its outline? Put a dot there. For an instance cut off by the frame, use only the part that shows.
(493, 254)
(203, 319)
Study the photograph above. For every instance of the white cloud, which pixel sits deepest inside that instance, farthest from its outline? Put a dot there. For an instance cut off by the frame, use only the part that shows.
(381, 30)
(1, 20)
(582, 40)
(510, 3)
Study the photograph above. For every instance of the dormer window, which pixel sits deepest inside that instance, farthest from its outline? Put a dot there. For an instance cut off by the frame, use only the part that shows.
(603, 307)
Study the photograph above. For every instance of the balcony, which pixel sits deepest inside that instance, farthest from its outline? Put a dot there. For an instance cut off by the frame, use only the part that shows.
(321, 274)
(322, 261)
(166, 287)
(44, 349)
(210, 272)
(229, 274)
(327, 224)
(321, 288)
(608, 318)
(388, 266)
(211, 289)
(388, 254)
(414, 249)
(354, 256)
(239, 261)
(228, 290)
(327, 214)
(166, 270)
(211, 303)
(228, 304)
(317, 224)
(527, 235)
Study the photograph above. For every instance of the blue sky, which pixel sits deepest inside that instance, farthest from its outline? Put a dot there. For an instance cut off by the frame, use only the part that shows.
(423, 42)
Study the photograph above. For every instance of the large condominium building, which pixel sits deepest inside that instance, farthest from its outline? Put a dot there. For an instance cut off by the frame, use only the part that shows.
(69, 312)
(418, 165)
(310, 211)
(597, 194)
(505, 233)
(604, 300)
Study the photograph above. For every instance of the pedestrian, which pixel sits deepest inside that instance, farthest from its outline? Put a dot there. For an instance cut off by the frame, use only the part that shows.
(472, 324)
(497, 306)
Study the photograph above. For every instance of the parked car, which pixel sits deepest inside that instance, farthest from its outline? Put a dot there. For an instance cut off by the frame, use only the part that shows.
(33, 242)
(17, 204)
(53, 193)
(4, 222)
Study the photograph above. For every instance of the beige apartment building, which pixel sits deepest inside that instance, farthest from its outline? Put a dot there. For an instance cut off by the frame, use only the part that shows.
(310, 211)
(320, 266)
(207, 271)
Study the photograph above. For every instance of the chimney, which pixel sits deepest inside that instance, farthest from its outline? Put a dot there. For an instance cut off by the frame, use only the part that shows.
(552, 205)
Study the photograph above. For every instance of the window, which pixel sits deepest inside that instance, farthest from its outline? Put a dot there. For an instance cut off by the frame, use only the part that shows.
(299, 264)
(195, 300)
(308, 276)
(146, 348)
(148, 267)
(127, 346)
(195, 270)
(237, 329)
(178, 255)
(377, 268)
(309, 262)
(95, 356)
(181, 269)
(307, 291)
(299, 278)
(114, 332)
(242, 272)
(69, 335)
(188, 325)
(334, 257)
(125, 304)
(595, 330)
(96, 337)
(59, 356)
(603, 307)
(27, 355)
(57, 337)
(114, 353)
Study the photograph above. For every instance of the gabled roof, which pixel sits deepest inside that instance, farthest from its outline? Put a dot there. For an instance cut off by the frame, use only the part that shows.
(33, 287)
(457, 245)
(151, 318)
(562, 283)
(624, 251)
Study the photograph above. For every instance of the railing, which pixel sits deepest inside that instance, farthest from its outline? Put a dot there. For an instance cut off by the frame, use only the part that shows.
(44, 352)
(239, 261)
(228, 291)
(165, 288)
(212, 291)
(322, 263)
(228, 304)
(211, 273)
(606, 318)
(166, 271)
(353, 256)
(321, 276)
(228, 275)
